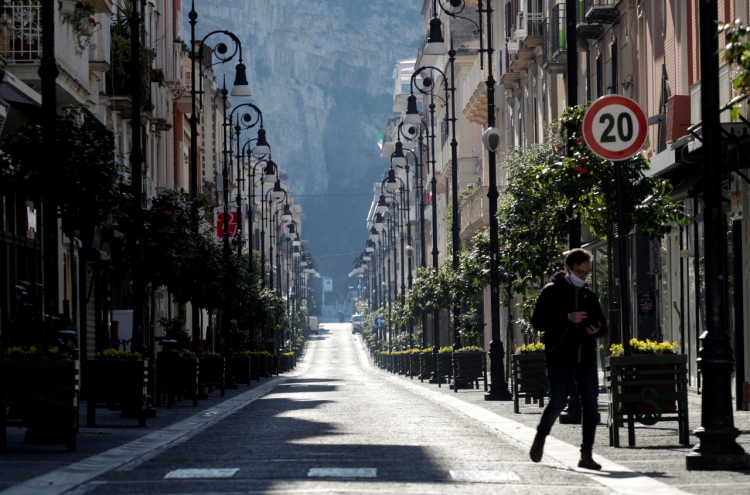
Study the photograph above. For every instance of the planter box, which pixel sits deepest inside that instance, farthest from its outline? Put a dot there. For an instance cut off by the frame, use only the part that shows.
(529, 379)
(258, 366)
(43, 396)
(188, 378)
(425, 366)
(445, 367)
(213, 373)
(655, 387)
(469, 366)
(414, 364)
(241, 368)
(117, 383)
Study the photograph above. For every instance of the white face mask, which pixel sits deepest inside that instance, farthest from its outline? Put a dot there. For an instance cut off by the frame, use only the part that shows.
(577, 282)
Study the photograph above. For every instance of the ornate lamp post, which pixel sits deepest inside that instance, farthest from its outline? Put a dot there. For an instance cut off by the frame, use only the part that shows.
(240, 88)
(491, 138)
(412, 117)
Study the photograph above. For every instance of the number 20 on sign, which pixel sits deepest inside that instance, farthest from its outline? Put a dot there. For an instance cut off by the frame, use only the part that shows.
(615, 127)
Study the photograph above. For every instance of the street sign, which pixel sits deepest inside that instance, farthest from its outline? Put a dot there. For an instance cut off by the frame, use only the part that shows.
(327, 284)
(615, 127)
(379, 322)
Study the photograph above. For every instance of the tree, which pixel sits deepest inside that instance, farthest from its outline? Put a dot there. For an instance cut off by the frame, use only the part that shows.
(587, 183)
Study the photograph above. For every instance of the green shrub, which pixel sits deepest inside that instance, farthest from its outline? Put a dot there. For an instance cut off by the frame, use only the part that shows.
(470, 348)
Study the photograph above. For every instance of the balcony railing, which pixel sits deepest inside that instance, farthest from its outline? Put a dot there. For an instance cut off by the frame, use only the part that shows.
(477, 75)
(21, 36)
(175, 67)
(603, 11)
(558, 31)
(472, 211)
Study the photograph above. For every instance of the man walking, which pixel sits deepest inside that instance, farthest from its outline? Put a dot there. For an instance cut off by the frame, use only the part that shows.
(571, 318)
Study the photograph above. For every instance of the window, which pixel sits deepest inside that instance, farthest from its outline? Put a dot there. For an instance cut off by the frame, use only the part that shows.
(405, 89)
(614, 66)
(599, 82)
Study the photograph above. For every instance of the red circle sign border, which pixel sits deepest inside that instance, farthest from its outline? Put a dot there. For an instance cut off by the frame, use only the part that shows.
(594, 110)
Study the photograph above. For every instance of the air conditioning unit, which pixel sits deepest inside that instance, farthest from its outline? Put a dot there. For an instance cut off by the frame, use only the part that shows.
(678, 117)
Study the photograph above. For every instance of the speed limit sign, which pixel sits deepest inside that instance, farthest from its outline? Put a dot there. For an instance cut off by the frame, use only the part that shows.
(615, 127)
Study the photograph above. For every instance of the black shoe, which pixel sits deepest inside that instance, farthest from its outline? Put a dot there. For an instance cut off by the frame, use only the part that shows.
(588, 462)
(537, 448)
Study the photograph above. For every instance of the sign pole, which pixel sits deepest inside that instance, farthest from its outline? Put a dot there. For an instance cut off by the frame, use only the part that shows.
(615, 129)
(624, 288)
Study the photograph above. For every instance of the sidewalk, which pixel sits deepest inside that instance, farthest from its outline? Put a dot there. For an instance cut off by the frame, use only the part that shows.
(657, 454)
(22, 462)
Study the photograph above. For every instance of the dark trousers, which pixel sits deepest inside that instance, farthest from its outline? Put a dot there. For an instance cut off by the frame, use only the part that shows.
(560, 378)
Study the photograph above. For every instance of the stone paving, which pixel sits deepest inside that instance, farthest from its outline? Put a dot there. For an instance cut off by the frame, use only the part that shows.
(338, 425)
(657, 453)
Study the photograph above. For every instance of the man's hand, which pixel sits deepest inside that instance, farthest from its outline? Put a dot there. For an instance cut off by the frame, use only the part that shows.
(591, 329)
(577, 316)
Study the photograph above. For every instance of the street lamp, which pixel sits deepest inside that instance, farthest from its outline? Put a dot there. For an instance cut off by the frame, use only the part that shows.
(241, 88)
(435, 41)
(428, 88)
(382, 205)
(390, 183)
(499, 386)
(419, 179)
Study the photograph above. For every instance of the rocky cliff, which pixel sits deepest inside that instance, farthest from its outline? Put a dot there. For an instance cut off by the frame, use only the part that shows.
(321, 71)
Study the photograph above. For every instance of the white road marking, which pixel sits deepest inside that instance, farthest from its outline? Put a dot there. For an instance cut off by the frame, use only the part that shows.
(183, 474)
(342, 473)
(485, 476)
(614, 476)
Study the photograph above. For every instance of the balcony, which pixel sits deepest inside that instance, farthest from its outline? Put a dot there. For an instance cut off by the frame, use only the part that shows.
(601, 11)
(22, 35)
(533, 34)
(175, 67)
(21, 47)
(475, 94)
(100, 51)
(555, 47)
(472, 212)
(588, 28)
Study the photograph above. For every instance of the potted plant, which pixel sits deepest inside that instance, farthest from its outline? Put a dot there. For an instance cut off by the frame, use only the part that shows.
(469, 364)
(425, 364)
(213, 371)
(82, 20)
(188, 375)
(647, 356)
(412, 364)
(40, 389)
(445, 364)
(529, 374)
(119, 380)
(241, 367)
(652, 382)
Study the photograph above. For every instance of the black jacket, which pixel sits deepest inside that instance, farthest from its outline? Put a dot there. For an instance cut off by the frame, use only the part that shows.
(566, 342)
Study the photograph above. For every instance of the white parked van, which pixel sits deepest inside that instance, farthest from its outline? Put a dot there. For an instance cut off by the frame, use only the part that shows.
(313, 322)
